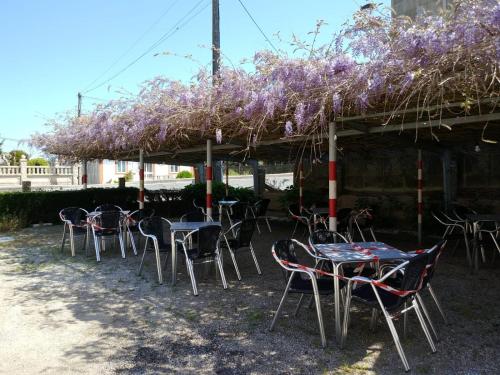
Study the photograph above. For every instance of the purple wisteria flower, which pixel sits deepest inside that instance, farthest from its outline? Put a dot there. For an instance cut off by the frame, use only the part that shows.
(288, 128)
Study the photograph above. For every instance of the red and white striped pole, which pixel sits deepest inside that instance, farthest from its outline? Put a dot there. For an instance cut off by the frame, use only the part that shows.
(301, 186)
(332, 176)
(208, 174)
(141, 179)
(84, 174)
(420, 204)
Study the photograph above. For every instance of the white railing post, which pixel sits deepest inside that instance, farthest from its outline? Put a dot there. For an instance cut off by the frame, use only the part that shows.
(74, 174)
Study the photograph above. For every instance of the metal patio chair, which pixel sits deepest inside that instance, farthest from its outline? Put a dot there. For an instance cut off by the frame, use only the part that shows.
(300, 279)
(259, 212)
(376, 293)
(454, 231)
(195, 215)
(242, 240)
(156, 230)
(75, 222)
(107, 224)
(132, 224)
(205, 249)
(363, 221)
(299, 218)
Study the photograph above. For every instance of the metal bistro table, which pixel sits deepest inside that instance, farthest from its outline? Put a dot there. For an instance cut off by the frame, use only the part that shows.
(475, 219)
(186, 227)
(226, 205)
(357, 252)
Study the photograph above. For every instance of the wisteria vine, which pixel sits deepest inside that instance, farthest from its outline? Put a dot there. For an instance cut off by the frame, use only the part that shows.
(378, 63)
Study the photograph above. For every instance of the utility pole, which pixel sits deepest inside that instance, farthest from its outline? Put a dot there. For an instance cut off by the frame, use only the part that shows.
(215, 39)
(79, 104)
(84, 162)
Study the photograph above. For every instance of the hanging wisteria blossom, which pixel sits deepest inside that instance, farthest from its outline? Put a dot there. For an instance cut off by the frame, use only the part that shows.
(378, 63)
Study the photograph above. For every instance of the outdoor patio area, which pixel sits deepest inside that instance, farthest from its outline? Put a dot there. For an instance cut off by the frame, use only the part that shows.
(74, 315)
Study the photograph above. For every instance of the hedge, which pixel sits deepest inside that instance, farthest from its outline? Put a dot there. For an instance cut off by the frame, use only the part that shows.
(44, 206)
(199, 191)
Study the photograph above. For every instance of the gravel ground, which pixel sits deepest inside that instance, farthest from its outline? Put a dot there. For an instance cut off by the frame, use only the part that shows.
(71, 315)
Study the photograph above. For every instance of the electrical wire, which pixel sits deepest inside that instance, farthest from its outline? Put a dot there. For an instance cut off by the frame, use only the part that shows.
(132, 46)
(174, 29)
(258, 27)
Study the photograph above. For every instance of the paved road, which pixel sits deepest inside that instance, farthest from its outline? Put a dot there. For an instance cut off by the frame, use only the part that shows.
(279, 181)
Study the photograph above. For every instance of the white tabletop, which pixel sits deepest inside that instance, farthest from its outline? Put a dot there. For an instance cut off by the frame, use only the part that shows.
(191, 225)
(360, 252)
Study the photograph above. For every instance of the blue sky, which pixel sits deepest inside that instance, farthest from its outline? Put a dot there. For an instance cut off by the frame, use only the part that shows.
(52, 49)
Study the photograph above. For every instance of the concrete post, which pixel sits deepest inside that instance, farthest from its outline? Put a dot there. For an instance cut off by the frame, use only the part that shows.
(23, 164)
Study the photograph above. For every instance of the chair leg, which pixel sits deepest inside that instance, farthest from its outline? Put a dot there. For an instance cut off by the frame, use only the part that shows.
(63, 237)
(347, 307)
(97, 248)
(373, 320)
(257, 224)
(86, 241)
(319, 313)
(438, 304)
(285, 293)
(143, 256)
(122, 245)
(189, 265)
(235, 264)
(72, 240)
(397, 342)
(420, 301)
(373, 234)
(424, 326)
(255, 259)
(221, 270)
(405, 322)
(295, 227)
(268, 225)
(132, 241)
(158, 263)
(298, 305)
(469, 258)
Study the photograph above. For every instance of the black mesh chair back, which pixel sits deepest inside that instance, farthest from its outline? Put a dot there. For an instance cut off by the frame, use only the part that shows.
(414, 271)
(158, 227)
(461, 211)
(245, 232)
(198, 203)
(208, 239)
(261, 207)
(108, 207)
(76, 215)
(142, 213)
(365, 220)
(194, 216)
(294, 209)
(238, 211)
(432, 259)
(323, 236)
(109, 219)
(285, 250)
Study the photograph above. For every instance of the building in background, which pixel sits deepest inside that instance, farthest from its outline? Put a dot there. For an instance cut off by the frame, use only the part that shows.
(413, 8)
(108, 171)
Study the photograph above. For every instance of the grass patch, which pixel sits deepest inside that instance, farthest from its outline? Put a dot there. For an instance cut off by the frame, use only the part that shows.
(10, 223)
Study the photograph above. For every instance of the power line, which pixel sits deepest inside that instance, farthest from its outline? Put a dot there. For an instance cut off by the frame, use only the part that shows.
(178, 26)
(132, 45)
(258, 27)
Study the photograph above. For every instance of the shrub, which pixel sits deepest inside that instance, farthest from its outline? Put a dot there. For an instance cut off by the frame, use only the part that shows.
(44, 206)
(184, 174)
(198, 192)
(38, 162)
(291, 196)
(129, 176)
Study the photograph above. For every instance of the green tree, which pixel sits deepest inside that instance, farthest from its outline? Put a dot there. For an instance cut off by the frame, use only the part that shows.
(16, 155)
(38, 162)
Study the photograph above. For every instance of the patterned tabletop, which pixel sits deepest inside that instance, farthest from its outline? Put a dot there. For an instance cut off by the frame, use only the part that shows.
(191, 225)
(484, 217)
(360, 252)
(226, 203)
